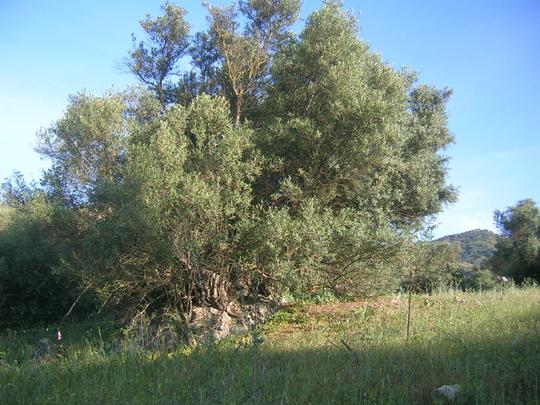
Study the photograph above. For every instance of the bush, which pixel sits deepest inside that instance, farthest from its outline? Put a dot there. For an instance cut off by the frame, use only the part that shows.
(433, 264)
(35, 285)
(475, 279)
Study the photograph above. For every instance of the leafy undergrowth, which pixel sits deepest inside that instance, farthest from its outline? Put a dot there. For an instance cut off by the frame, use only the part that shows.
(338, 353)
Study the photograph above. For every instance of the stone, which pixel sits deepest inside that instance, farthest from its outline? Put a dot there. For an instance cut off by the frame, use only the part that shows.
(210, 324)
(448, 391)
(43, 349)
(223, 326)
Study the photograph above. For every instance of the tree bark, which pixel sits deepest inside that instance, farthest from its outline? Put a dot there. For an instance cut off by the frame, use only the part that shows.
(238, 110)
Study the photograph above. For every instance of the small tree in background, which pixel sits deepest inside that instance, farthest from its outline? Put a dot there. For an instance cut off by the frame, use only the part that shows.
(517, 252)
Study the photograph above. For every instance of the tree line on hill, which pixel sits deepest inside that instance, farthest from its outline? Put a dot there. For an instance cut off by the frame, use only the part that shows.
(279, 164)
(475, 246)
(482, 255)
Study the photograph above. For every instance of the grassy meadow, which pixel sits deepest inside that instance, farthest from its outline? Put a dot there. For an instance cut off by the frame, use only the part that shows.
(333, 353)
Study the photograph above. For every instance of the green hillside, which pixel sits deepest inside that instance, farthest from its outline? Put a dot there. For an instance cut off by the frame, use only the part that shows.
(476, 245)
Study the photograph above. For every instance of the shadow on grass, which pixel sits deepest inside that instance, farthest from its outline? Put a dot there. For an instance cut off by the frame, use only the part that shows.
(490, 371)
(500, 366)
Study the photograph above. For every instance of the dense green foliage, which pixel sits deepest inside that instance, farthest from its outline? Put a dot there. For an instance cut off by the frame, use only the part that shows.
(36, 283)
(279, 164)
(435, 266)
(488, 343)
(517, 251)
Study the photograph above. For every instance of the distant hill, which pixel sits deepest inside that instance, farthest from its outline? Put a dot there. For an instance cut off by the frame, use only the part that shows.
(476, 245)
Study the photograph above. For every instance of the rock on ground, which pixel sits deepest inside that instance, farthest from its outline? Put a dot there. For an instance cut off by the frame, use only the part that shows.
(43, 349)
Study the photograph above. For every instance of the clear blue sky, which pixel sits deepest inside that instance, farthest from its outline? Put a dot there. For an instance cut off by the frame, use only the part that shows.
(487, 51)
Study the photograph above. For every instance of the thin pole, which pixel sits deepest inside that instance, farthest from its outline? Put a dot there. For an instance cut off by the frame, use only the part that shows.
(409, 305)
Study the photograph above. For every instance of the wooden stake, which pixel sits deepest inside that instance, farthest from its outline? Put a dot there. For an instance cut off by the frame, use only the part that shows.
(409, 305)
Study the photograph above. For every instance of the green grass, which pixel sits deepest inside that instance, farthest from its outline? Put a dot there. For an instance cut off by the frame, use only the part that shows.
(338, 353)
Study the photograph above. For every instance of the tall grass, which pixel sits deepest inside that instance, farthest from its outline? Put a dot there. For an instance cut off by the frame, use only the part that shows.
(336, 353)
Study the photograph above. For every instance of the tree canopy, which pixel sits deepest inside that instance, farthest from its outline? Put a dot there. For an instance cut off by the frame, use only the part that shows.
(279, 164)
(517, 251)
(155, 60)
